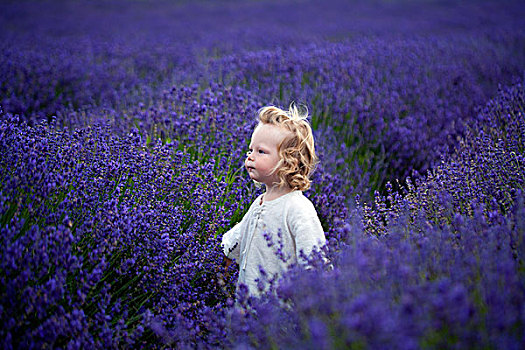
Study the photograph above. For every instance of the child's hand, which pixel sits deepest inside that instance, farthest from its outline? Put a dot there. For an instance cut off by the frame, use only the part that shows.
(227, 263)
(223, 276)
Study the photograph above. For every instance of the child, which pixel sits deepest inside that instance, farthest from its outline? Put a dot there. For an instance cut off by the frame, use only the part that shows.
(282, 157)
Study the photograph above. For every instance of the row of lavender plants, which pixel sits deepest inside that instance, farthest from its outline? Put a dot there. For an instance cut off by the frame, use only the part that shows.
(100, 235)
(59, 55)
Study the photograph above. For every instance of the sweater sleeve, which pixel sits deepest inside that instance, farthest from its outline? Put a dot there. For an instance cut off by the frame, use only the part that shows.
(231, 241)
(306, 229)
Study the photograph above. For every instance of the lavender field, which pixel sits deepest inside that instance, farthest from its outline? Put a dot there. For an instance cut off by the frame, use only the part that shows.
(123, 130)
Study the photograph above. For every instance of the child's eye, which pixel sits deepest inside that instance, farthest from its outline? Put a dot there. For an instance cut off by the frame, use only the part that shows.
(261, 151)
(249, 152)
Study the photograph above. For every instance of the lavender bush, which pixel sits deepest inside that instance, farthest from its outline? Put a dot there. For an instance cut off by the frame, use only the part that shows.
(407, 290)
(91, 243)
(447, 270)
(485, 171)
(123, 130)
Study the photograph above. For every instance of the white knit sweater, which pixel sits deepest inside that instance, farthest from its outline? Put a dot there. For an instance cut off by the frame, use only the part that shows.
(294, 216)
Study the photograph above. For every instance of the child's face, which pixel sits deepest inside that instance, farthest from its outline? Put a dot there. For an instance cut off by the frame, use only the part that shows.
(264, 155)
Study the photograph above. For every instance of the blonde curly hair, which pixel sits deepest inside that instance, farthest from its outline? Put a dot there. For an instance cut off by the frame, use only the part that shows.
(297, 150)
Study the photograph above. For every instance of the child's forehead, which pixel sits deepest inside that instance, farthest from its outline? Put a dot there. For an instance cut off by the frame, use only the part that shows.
(269, 132)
